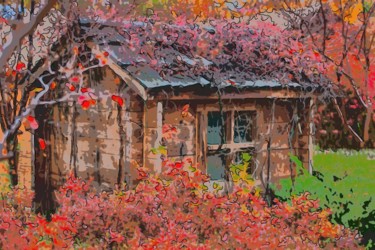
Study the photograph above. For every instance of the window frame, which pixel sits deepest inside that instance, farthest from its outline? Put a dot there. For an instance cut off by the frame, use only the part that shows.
(230, 145)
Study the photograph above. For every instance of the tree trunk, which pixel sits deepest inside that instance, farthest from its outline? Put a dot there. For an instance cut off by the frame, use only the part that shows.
(42, 163)
(366, 127)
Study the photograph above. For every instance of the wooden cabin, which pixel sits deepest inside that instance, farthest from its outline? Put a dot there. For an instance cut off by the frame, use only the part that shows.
(214, 125)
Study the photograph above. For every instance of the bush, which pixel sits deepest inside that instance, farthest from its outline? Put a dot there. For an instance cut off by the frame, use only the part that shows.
(172, 210)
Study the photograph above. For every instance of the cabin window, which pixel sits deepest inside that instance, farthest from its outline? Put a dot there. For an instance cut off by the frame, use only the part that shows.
(216, 128)
(229, 135)
(243, 126)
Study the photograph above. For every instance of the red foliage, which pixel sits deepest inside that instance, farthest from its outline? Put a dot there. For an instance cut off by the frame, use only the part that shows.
(169, 211)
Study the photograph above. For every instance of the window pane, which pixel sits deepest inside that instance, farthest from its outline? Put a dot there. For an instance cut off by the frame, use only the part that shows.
(243, 126)
(216, 128)
(216, 164)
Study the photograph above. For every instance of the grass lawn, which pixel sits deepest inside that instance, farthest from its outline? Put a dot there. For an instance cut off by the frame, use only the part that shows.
(356, 171)
(350, 179)
(344, 182)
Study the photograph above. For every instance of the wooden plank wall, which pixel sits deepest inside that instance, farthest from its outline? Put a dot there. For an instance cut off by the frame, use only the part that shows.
(92, 142)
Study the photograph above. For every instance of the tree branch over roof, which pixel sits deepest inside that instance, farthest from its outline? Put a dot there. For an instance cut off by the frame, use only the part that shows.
(20, 29)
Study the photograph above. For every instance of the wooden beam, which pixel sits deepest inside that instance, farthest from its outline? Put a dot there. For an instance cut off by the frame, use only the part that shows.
(128, 140)
(311, 134)
(159, 131)
(200, 93)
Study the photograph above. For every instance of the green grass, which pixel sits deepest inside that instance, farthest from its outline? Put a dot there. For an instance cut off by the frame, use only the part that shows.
(356, 171)
(344, 181)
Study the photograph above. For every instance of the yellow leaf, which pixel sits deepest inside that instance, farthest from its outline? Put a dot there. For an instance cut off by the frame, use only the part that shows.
(37, 90)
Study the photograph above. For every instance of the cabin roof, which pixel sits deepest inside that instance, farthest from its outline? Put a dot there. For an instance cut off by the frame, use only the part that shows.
(149, 78)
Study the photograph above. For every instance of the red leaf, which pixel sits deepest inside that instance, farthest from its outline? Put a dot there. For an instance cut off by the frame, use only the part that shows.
(106, 54)
(84, 90)
(75, 79)
(142, 174)
(118, 99)
(20, 66)
(33, 123)
(85, 104)
(42, 144)
(185, 111)
(231, 82)
(178, 165)
(185, 108)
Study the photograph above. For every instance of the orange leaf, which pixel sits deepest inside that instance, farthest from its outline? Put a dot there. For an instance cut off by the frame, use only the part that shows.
(71, 87)
(118, 99)
(117, 80)
(52, 86)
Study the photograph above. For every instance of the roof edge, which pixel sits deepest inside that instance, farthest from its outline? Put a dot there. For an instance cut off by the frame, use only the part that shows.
(129, 80)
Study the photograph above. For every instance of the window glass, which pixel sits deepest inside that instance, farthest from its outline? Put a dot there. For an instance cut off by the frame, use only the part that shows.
(243, 126)
(216, 128)
(216, 162)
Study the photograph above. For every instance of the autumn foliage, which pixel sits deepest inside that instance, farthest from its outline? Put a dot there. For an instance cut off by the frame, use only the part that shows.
(169, 211)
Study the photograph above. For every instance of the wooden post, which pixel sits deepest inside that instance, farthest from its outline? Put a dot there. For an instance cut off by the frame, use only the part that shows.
(311, 134)
(128, 140)
(159, 131)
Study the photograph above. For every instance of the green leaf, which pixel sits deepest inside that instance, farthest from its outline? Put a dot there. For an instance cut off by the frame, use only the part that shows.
(246, 157)
(154, 151)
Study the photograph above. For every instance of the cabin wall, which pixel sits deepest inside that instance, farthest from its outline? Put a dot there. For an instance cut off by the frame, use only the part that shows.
(281, 122)
(94, 143)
